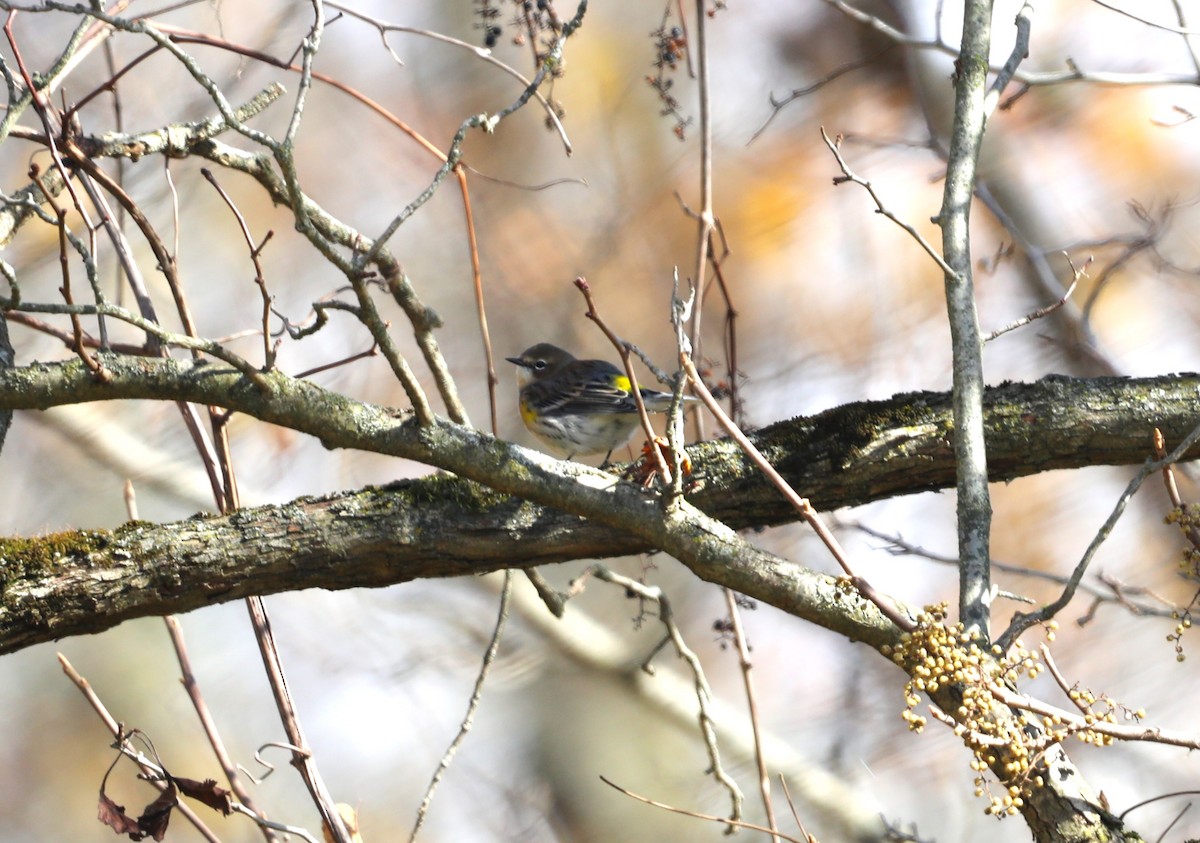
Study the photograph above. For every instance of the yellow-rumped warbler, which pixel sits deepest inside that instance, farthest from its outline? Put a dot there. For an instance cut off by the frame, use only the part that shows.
(579, 406)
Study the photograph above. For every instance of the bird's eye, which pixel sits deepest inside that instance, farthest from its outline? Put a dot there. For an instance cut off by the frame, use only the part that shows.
(539, 364)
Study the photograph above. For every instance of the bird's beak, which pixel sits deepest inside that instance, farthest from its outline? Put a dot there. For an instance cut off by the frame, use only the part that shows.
(516, 361)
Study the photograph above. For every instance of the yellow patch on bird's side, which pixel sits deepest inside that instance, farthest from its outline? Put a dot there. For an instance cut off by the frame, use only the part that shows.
(528, 414)
(622, 382)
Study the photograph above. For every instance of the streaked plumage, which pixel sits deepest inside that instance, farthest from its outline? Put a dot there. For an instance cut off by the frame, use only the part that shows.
(580, 407)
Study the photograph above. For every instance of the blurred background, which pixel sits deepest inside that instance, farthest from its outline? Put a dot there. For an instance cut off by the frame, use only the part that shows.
(833, 304)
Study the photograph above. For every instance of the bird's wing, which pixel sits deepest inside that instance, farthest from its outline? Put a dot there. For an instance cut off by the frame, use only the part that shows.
(592, 394)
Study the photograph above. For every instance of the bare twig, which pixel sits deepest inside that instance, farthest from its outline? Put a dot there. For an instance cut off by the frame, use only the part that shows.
(787, 793)
(1166, 27)
(77, 344)
(849, 175)
(705, 217)
(1035, 315)
(488, 123)
(302, 756)
(489, 658)
(1112, 592)
(743, 651)
(704, 695)
(255, 253)
(635, 391)
(801, 505)
(480, 308)
(188, 677)
(1072, 73)
(479, 52)
(1022, 621)
(1154, 799)
(1188, 34)
(325, 367)
(734, 823)
(1081, 340)
(777, 105)
(115, 728)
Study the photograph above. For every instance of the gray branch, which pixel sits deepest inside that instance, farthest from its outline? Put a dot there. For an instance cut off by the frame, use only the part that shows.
(974, 501)
(534, 510)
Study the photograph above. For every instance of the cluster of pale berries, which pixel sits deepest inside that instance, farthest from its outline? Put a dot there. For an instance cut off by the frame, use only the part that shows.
(937, 656)
(1188, 521)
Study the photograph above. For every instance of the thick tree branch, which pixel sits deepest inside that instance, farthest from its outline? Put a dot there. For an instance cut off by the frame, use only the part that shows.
(84, 582)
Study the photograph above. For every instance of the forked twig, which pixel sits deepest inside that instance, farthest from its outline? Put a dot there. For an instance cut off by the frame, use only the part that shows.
(188, 677)
(685, 812)
(115, 728)
(623, 349)
(302, 757)
(802, 505)
(1021, 620)
(704, 693)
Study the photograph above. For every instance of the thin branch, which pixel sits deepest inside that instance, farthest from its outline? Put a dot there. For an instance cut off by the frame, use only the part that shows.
(1040, 313)
(725, 820)
(1154, 799)
(480, 308)
(1077, 722)
(635, 391)
(83, 40)
(595, 646)
(188, 678)
(802, 505)
(302, 757)
(255, 255)
(1032, 78)
(1020, 52)
(169, 339)
(704, 695)
(1166, 27)
(310, 46)
(479, 52)
(488, 123)
(777, 105)
(742, 646)
(1112, 592)
(77, 344)
(165, 42)
(489, 658)
(317, 226)
(114, 728)
(1191, 531)
(381, 334)
(849, 175)
(373, 351)
(1181, 16)
(1022, 621)
(1079, 337)
(705, 216)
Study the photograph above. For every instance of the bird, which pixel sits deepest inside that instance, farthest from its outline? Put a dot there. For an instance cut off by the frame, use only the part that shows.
(579, 407)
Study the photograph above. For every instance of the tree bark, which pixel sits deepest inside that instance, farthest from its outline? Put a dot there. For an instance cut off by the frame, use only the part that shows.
(87, 581)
